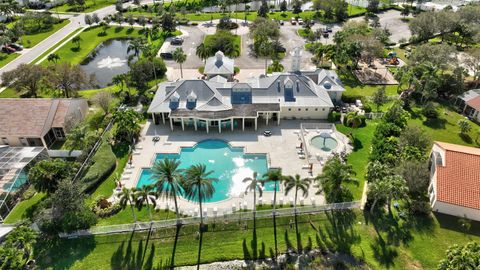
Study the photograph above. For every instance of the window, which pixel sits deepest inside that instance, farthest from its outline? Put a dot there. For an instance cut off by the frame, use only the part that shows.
(306, 109)
(23, 141)
(316, 109)
(323, 109)
(59, 134)
(289, 109)
(299, 109)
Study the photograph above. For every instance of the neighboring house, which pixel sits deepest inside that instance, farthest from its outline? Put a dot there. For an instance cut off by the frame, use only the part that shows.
(455, 180)
(216, 103)
(469, 103)
(38, 121)
(219, 65)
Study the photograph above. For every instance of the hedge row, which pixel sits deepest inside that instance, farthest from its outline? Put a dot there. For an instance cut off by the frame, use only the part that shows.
(104, 162)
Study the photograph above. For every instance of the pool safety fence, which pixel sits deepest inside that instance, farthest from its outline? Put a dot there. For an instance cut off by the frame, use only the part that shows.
(213, 217)
(306, 129)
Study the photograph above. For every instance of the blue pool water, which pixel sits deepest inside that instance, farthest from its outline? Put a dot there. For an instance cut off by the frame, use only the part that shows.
(229, 165)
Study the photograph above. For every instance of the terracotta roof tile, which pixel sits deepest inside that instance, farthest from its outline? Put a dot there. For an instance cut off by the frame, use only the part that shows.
(458, 182)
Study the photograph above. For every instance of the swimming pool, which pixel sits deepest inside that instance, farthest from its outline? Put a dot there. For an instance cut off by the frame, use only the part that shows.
(324, 142)
(230, 165)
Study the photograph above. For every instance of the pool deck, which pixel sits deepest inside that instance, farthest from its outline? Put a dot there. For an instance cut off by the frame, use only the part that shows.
(280, 147)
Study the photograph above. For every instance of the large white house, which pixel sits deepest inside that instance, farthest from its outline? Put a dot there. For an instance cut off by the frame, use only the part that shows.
(217, 103)
(455, 180)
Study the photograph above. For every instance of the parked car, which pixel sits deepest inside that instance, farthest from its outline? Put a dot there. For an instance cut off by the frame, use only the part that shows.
(328, 29)
(300, 21)
(167, 55)
(16, 46)
(325, 34)
(267, 133)
(7, 49)
(280, 22)
(293, 21)
(176, 41)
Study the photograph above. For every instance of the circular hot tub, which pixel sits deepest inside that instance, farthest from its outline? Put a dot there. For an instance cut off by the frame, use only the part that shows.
(324, 142)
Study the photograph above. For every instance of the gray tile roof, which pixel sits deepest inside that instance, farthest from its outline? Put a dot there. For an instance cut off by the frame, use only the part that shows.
(219, 64)
(215, 95)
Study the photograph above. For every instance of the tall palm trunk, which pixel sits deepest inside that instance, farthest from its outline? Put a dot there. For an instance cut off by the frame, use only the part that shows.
(275, 219)
(133, 211)
(296, 222)
(200, 230)
(176, 207)
(181, 75)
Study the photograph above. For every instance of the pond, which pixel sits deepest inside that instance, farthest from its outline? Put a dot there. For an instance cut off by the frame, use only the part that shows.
(107, 60)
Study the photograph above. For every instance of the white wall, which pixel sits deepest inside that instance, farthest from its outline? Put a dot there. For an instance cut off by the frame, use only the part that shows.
(456, 210)
(304, 112)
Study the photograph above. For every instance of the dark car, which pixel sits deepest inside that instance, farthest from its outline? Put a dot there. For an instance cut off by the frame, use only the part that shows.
(325, 34)
(16, 46)
(7, 49)
(328, 29)
(167, 55)
(176, 41)
(267, 133)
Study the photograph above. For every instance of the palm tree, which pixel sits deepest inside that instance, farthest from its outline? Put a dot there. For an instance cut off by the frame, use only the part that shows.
(127, 197)
(76, 40)
(136, 46)
(199, 187)
(203, 52)
(254, 185)
(168, 178)
(335, 174)
(265, 51)
(299, 185)
(53, 57)
(180, 57)
(275, 176)
(146, 195)
(149, 51)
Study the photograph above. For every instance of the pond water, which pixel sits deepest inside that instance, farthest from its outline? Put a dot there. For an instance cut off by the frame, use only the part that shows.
(107, 60)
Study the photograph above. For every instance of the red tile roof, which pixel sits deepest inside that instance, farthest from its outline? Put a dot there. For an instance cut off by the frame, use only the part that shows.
(458, 182)
(474, 103)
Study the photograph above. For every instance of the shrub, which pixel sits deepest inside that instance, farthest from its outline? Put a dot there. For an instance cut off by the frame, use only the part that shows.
(104, 162)
(430, 111)
(103, 208)
(334, 117)
(226, 24)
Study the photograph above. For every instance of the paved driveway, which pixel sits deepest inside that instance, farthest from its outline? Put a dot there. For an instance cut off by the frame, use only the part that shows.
(391, 19)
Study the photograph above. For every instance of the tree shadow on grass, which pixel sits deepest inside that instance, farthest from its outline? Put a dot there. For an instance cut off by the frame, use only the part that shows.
(396, 233)
(62, 253)
(435, 123)
(466, 138)
(340, 230)
(452, 223)
(177, 232)
(357, 144)
(75, 49)
(383, 253)
(118, 29)
(128, 258)
(129, 30)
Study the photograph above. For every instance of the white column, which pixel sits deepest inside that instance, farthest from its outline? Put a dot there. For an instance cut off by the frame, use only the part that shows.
(183, 125)
(171, 123)
(163, 118)
(278, 118)
(219, 126)
(243, 124)
(266, 121)
(231, 124)
(207, 124)
(255, 123)
(153, 117)
(195, 123)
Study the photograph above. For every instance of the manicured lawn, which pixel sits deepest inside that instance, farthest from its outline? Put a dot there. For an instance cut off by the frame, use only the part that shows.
(359, 157)
(106, 187)
(24, 208)
(125, 216)
(40, 57)
(250, 16)
(29, 41)
(7, 58)
(90, 5)
(356, 89)
(414, 246)
(445, 128)
(90, 39)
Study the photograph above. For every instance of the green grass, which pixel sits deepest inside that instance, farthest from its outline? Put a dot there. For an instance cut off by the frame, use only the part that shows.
(354, 88)
(90, 39)
(6, 58)
(90, 5)
(47, 52)
(445, 128)
(125, 216)
(250, 16)
(24, 208)
(414, 246)
(28, 41)
(359, 157)
(106, 187)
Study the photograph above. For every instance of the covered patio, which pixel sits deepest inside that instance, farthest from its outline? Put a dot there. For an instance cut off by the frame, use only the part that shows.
(239, 117)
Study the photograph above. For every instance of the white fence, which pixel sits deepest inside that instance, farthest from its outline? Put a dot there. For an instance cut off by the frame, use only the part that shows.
(234, 217)
(374, 115)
